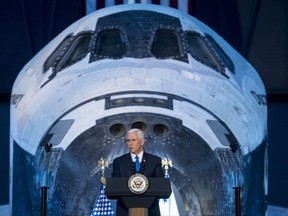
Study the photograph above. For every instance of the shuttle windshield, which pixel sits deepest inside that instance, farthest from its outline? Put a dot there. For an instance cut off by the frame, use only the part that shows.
(77, 51)
(202, 52)
(165, 44)
(109, 44)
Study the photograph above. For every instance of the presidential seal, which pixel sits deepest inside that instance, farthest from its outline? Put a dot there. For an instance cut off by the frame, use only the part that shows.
(138, 183)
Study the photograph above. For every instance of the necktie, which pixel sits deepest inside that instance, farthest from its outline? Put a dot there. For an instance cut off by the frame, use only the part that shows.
(137, 164)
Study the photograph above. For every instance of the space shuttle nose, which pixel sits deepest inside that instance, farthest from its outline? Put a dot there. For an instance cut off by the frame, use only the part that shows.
(139, 66)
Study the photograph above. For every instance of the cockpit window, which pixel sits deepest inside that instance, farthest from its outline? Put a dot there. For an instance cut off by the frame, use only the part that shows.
(227, 61)
(165, 44)
(51, 60)
(110, 44)
(202, 52)
(77, 51)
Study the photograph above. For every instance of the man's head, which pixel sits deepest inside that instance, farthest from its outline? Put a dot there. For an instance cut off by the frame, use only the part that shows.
(135, 140)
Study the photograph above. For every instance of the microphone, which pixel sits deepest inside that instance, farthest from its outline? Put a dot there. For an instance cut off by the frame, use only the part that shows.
(142, 167)
(133, 168)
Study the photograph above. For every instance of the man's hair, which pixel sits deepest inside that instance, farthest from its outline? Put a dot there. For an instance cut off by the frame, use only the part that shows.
(138, 131)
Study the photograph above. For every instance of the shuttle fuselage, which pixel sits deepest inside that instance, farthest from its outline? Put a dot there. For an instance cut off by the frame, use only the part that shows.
(149, 67)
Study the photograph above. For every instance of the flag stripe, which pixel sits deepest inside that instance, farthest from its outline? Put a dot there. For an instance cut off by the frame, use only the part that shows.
(191, 7)
(100, 4)
(173, 3)
(156, 2)
(118, 2)
(183, 5)
(109, 3)
(187, 6)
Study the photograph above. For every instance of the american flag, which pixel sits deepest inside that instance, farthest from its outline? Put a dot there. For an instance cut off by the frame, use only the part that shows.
(103, 205)
(183, 5)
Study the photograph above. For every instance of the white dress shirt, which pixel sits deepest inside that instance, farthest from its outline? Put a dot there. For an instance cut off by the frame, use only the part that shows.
(140, 155)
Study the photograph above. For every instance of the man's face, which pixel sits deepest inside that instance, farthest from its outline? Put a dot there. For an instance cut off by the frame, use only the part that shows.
(134, 143)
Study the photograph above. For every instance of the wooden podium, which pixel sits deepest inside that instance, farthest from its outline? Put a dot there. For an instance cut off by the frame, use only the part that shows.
(138, 204)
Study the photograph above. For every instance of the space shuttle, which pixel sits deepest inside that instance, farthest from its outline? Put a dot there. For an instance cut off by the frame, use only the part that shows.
(198, 101)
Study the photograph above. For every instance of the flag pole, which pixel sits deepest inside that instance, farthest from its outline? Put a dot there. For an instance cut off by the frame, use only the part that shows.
(102, 205)
(237, 189)
(44, 188)
(166, 163)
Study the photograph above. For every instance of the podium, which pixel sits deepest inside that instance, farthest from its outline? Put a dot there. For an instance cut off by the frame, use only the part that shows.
(118, 188)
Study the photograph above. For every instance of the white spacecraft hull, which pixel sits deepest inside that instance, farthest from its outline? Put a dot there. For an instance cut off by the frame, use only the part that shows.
(191, 113)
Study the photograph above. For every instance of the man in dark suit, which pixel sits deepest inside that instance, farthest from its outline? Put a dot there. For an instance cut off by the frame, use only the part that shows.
(150, 166)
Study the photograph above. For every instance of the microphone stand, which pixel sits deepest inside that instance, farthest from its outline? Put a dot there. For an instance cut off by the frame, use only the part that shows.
(236, 188)
(44, 188)
(142, 167)
(133, 168)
